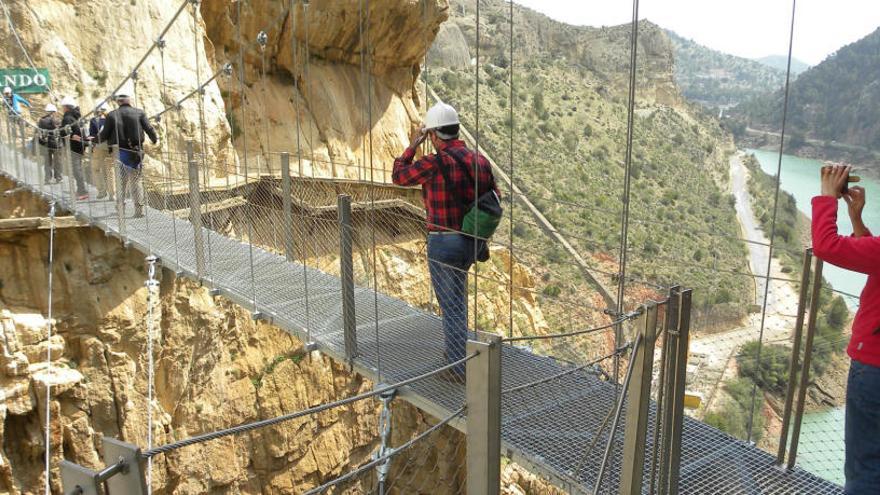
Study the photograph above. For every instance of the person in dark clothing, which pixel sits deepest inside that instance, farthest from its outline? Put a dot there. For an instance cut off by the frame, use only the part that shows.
(70, 128)
(446, 177)
(125, 127)
(102, 166)
(50, 144)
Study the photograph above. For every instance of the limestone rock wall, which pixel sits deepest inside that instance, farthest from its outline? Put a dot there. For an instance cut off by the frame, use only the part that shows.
(90, 47)
(334, 81)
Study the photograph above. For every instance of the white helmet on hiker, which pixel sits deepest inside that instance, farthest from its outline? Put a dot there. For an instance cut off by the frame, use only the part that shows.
(441, 115)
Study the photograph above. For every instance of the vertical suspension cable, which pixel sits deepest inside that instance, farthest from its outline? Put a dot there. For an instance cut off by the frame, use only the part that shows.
(302, 242)
(476, 166)
(627, 179)
(169, 180)
(369, 66)
(510, 182)
(49, 323)
(773, 221)
(308, 89)
(152, 294)
(244, 113)
(200, 99)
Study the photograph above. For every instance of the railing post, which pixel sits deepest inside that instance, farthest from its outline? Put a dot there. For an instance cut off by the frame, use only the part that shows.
(663, 420)
(346, 271)
(68, 170)
(195, 209)
(287, 213)
(483, 394)
(793, 368)
(638, 394)
(681, 360)
(120, 190)
(13, 142)
(808, 357)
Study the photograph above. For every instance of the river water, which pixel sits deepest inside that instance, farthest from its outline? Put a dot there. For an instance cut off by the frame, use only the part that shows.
(821, 446)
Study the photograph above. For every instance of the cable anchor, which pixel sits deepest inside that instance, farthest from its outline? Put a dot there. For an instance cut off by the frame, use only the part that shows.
(262, 39)
(384, 449)
(227, 69)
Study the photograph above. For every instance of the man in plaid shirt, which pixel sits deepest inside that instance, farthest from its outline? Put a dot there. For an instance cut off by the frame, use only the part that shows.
(450, 253)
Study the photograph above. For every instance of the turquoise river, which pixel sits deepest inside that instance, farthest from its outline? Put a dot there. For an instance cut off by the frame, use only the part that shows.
(821, 446)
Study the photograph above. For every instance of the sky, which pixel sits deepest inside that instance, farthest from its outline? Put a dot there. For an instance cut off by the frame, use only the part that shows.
(748, 28)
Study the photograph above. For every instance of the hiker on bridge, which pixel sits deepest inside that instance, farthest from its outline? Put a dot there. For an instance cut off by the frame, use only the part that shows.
(449, 180)
(13, 101)
(71, 129)
(125, 128)
(102, 165)
(859, 253)
(50, 144)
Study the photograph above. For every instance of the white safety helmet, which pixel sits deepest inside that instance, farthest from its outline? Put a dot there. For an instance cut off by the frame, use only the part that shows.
(126, 91)
(440, 115)
(7, 90)
(68, 101)
(104, 107)
(51, 108)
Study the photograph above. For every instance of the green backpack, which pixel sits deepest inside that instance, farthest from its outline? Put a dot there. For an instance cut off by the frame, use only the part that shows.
(482, 219)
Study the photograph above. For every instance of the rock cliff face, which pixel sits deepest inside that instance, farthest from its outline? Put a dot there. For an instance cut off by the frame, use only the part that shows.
(90, 47)
(335, 81)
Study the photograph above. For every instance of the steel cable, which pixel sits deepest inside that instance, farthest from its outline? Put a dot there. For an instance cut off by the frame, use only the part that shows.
(775, 214)
(287, 417)
(48, 424)
(381, 459)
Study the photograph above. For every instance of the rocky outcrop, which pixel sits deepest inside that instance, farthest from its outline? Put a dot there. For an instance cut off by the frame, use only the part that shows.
(334, 82)
(90, 47)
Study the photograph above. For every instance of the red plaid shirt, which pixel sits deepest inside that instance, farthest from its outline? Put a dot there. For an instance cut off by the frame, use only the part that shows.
(443, 208)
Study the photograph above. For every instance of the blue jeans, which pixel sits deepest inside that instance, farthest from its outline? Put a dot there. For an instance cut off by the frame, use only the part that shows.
(450, 256)
(862, 467)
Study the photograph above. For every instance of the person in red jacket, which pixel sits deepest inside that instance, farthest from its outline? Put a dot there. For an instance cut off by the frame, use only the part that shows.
(860, 253)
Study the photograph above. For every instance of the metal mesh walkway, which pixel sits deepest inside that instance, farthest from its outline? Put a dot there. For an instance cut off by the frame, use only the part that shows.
(547, 427)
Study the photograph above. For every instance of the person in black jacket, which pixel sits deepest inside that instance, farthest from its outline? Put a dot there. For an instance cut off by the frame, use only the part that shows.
(70, 127)
(49, 144)
(125, 128)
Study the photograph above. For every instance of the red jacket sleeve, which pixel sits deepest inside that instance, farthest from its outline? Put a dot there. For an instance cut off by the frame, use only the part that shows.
(859, 254)
(407, 173)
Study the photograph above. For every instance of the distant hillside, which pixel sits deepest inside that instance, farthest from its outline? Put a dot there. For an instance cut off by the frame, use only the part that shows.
(837, 100)
(780, 62)
(570, 103)
(717, 79)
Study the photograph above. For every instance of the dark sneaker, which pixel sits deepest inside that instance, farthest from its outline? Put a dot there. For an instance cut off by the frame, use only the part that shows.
(138, 214)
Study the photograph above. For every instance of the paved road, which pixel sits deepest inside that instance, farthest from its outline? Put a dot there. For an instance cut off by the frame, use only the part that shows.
(715, 353)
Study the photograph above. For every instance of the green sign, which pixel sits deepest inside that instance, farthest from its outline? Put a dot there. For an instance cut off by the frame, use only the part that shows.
(26, 80)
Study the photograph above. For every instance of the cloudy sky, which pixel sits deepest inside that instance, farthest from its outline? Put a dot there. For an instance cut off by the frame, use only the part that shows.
(748, 28)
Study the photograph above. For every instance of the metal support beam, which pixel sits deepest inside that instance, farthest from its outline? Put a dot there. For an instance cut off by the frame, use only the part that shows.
(638, 394)
(68, 170)
(483, 392)
(128, 480)
(677, 399)
(663, 419)
(794, 369)
(120, 190)
(195, 209)
(808, 357)
(287, 212)
(124, 474)
(346, 271)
